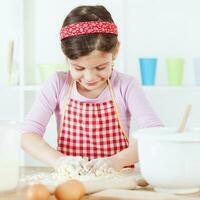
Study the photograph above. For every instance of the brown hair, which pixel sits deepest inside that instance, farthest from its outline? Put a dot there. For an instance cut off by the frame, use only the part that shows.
(81, 45)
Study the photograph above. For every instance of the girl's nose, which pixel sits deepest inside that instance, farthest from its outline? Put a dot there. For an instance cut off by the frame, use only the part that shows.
(89, 76)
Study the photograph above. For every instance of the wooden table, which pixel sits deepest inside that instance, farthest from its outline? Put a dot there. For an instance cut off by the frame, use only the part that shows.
(139, 194)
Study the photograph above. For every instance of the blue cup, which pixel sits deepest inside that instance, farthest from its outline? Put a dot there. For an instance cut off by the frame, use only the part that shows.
(148, 70)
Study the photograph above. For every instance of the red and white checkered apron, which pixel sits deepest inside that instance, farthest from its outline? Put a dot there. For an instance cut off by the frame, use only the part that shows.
(91, 129)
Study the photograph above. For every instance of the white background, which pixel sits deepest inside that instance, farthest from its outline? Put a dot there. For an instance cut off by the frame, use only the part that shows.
(147, 28)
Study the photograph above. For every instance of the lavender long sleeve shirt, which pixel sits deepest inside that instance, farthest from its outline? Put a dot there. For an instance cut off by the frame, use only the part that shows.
(129, 95)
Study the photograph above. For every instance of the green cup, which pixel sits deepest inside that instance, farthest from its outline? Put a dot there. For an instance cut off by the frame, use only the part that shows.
(46, 70)
(175, 67)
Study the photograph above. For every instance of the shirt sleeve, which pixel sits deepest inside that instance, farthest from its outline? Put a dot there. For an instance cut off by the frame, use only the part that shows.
(140, 108)
(43, 107)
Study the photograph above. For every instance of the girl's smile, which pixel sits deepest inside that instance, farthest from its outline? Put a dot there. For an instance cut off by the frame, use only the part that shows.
(92, 83)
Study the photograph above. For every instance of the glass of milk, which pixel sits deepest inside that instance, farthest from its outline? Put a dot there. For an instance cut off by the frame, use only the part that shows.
(9, 155)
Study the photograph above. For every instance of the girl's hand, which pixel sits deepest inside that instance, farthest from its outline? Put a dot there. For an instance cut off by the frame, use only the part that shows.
(70, 164)
(103, 165)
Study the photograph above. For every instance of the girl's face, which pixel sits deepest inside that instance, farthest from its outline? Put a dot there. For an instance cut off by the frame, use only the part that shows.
(92, 71)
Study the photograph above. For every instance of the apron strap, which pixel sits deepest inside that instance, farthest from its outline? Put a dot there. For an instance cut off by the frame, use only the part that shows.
(117, 110)
(64, 107)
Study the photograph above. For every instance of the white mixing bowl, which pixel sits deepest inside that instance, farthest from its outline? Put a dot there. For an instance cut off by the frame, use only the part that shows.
(170, 161)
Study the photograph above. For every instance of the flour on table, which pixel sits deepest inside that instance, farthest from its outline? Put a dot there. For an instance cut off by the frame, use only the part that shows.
(64, 174)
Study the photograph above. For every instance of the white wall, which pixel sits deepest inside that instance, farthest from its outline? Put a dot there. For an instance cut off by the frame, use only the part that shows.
(170, 105)
(9, 30)
(161, 29)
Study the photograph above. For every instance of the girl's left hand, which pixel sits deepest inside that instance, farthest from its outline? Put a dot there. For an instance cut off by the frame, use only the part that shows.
(105, 165)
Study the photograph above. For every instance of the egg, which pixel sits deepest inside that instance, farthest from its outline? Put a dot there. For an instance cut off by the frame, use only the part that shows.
(37, 192)
(71, 190)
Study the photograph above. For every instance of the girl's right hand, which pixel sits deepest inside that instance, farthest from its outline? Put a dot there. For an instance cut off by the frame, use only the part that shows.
(70, 164)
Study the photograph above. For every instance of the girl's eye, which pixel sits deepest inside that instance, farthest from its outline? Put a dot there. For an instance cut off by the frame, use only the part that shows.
(100, 68)
(79, 68)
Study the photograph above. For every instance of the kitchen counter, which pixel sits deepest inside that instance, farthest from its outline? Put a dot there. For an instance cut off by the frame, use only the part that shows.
(111, 194)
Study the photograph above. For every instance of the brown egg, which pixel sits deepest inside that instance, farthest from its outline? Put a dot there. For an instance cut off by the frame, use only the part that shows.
(37, 192)
(71, 190)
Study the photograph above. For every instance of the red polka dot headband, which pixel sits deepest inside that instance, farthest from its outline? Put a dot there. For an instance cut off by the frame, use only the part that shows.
(88, 28)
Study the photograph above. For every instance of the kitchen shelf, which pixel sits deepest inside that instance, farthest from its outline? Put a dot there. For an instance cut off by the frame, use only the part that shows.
(23, 88)
(171, 87)
(31, 88)
(35, 88)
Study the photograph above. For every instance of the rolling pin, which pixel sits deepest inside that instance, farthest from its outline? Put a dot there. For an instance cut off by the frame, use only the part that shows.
(93, 186)
(115, 183)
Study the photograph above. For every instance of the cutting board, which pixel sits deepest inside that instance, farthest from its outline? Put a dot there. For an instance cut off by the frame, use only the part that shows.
(116, 194)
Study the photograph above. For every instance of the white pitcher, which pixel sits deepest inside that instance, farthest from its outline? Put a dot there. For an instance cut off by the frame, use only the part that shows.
(9, 155)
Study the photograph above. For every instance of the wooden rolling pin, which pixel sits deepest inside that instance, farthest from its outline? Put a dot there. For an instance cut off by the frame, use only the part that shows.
(115, 183)
(93, 186)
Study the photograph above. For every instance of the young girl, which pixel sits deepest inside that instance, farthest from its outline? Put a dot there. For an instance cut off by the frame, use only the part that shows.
(93, 103)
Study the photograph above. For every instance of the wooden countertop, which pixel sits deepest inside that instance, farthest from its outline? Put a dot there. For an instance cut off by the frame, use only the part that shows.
(139, 194)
